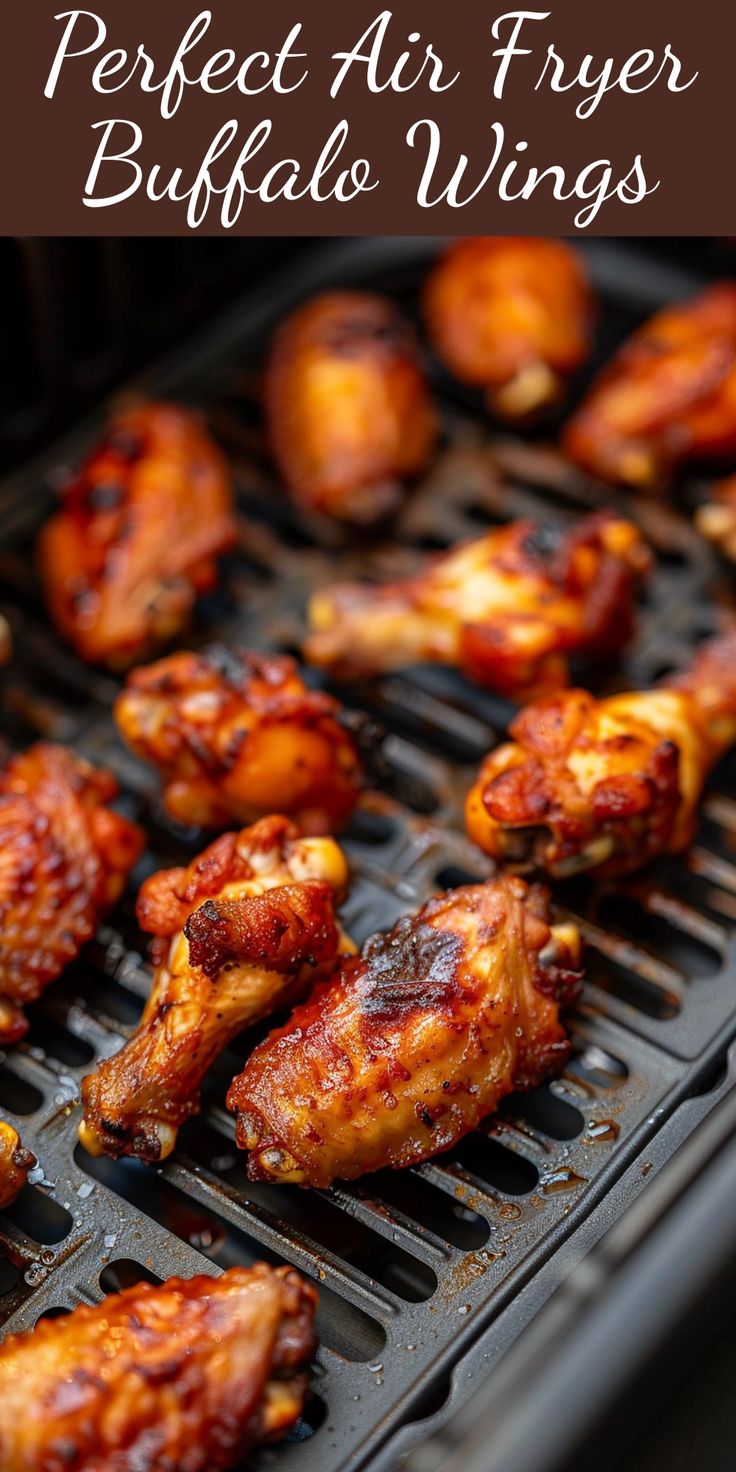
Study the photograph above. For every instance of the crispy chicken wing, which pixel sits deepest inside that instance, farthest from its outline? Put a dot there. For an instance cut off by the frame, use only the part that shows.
(507, 609)
(349, 414)
(716, 520)
(64, 859)
(236, 734)
(185, 1376)
(669, 394)
(512, 314)
(137, 536)
(607, 784)
(15, 1163)
(413, 1041)
(240, 932)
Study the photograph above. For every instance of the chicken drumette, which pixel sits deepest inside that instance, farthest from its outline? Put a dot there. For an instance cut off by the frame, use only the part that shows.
(64, 859)
(512, 315)
(669, 395)
(185, 1376)
(413, 1041)
(716, 519)
(236, 735)
(137, 536)
(15, 1163)
(607, 784)
(349, 415)
(507, 609)
(239, 933)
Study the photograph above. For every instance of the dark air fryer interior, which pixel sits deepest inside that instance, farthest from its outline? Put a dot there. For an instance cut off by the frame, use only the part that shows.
(429, 1277)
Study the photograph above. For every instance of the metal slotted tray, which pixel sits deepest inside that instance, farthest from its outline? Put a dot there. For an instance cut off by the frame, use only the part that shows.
(414, 1268)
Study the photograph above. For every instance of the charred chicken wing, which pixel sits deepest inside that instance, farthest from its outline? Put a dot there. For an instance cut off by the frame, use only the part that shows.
(512, 315)
(64, 859)
(184, 1376)
(349, 415)
(669, 395)
(239, 933)
(717, 518)
(15, 1163)
(137, 536)
(607, 784)
(236, 735)
(507, 609)
(413, 1041)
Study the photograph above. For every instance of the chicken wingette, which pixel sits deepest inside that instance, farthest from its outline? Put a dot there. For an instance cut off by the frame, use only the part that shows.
(64, 858)
(137, 536)
(668, 396)
(413, 1041)
(508, 609)
(184, 1376)
(607, 784)
(348, 413)
(512, 315)
(236, 735)
(15, 1163)
(238, 933)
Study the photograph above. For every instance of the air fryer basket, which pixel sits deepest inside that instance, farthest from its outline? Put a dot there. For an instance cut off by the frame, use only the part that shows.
(438, 1269)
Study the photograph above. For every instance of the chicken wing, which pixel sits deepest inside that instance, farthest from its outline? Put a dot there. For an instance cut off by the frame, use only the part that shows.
(236, 735)
(607, 784)
(512, 315)
(137, 536)
(64, 859)
(669, 395)
(412, 1042)
(716, 519)
(507, 609)
(349, 416)
(240, 932)
(15, 1163)
(184, 1376)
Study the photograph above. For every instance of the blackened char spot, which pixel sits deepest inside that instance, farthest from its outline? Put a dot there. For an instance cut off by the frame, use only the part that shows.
(415, 966)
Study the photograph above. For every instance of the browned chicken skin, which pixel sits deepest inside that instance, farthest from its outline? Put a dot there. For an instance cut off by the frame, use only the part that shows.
(716, 520)
(668, 396)
(507, 609)
(137, 536)
(413, 1041)
(512, 315)
(237, 734)
(607, 784)
(185, 1376)
(64, 859)
(15, 1163)
(240, 932)
(349, 415)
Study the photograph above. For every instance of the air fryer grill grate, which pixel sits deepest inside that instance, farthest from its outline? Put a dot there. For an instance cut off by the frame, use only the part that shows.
(411, 1266)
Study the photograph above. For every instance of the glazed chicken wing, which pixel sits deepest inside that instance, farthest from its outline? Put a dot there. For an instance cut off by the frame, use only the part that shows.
(716, 519)
(64, 859)
(15, 1163)
(668, 396)
(512, 315)
(507, 609)
(240, 932)
(349, 415)
(412, 1042)
(137, 536)
(236, 735)
(185, 1376)
(607, 784)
